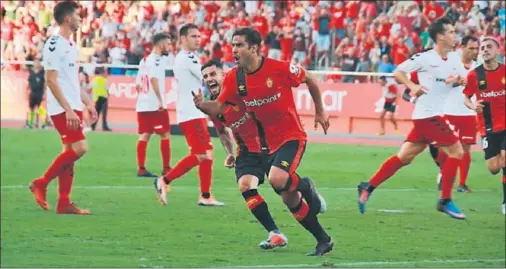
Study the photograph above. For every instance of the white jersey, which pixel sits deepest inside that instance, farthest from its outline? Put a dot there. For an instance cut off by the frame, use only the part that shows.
(432, 73)
(455, 101)
(150, 67)
(61, 55)
(189, 78)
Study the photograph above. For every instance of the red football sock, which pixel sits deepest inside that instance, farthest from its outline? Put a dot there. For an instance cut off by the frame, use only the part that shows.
(182, 167)
(205, 175)
(65, 180)
(56, 168)
(141, 153)
(386, 170)
(165, 151)
(441, 158)
(448, 174)
(464, 165)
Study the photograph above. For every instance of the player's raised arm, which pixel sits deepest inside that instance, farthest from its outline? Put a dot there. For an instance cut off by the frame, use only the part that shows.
(211, 108)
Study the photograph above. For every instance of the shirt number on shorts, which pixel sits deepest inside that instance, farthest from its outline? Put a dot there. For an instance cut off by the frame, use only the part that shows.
(144, 84)
(484, 143)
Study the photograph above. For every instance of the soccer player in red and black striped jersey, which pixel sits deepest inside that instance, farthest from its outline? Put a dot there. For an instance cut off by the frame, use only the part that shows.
(236, 123)
(488, 83)
(264, 86)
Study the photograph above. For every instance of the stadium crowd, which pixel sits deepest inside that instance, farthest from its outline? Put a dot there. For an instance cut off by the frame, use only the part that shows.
(342, 35)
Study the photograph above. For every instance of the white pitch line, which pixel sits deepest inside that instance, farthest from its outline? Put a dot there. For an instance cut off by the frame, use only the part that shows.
(366, 264)
(148, 186)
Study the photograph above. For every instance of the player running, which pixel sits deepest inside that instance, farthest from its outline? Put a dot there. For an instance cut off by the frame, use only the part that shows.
(390, 95)
(438, 75)
(152, 114)
(236, 123)
(192, 121)
(64, 104)
(265, 87)
(460, 117)
(487, 82)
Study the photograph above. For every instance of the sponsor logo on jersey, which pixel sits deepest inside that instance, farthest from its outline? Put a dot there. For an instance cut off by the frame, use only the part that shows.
(493, 94)
(241, 121)
(264, 101)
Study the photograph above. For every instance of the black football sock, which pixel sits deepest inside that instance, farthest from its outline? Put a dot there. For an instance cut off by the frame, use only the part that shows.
(206, 195)
(259, 209)
(309, 222)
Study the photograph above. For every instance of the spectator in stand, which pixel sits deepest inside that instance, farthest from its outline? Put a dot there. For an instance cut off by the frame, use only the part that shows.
(385, 48)
(118, 57)
(363, 65)
(400, 51)
(133, 57)
(101, 56)
(160, 23)
(273, 41)
(324, 27)
(375, 55)
(260, 23)
(299, 47)
(349, 64)
(453, 12)
(338, 16)
(385, 66)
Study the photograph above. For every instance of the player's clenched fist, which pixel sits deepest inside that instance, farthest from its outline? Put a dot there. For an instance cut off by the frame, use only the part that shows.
(230, 161)
(198, 98)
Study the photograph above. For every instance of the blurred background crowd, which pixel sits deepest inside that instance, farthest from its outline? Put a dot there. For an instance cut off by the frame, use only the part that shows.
(363, 36)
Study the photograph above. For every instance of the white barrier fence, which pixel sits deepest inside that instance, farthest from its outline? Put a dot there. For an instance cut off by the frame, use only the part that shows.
(315, 72)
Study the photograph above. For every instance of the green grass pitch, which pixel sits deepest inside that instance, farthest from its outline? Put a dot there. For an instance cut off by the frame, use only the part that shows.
(129, 228)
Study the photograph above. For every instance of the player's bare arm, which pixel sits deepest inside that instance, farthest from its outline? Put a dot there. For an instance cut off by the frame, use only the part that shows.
(72, 118)
(402, 77)
(320, 114)
(89, 105)
(478, 106)
(211, 108)
(227, 141)
(156, 89)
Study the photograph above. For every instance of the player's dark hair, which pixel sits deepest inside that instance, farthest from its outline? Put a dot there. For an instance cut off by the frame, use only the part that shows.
(63, 9)
(186, 28)
(466, 39)
(157, 38)
(251, 35)
(438, 27)
(212, 63)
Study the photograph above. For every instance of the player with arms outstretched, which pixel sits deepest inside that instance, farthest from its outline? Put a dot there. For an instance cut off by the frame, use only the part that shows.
(236, 123)
(64, 104)
(488, 83)
(265, 88)
(152, 114)
(438, 75)
(192, 121)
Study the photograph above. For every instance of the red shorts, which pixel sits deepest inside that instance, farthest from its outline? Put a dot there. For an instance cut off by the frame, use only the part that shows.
(197, 136)
(68, 136)
(434, 130)
(465, 126)
(153, 122)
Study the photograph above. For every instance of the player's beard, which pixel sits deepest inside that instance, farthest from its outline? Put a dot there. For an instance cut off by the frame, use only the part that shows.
(165, 52)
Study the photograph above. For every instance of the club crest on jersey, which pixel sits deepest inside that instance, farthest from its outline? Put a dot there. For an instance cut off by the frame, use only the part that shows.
(503, 80)
(242, 89)
(268, 82)
(235, 108)
(482, 82)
